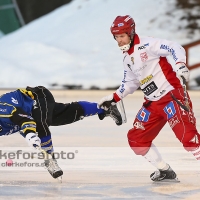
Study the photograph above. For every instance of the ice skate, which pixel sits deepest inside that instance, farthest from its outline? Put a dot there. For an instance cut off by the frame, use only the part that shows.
(114, 113)
(53, 168)
(164, 176)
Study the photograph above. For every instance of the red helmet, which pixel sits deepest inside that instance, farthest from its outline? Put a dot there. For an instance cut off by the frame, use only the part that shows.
(123, 24)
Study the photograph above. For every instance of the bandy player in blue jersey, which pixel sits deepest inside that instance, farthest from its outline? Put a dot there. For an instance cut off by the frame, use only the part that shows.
(31, 111)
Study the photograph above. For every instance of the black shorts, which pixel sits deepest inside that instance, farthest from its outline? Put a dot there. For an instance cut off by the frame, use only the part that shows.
(46, 112)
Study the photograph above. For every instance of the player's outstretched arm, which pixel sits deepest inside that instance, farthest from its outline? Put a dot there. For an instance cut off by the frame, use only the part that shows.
(92, 108)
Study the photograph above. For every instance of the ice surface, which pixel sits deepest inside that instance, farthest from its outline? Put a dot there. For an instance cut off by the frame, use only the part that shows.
(104, 166)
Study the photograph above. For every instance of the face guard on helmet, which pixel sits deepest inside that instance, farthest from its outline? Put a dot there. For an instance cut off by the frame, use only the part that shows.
(123, 24)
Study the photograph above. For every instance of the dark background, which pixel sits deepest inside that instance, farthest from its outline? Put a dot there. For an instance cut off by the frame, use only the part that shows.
(10, 19)
(33, 9)
(190, 16)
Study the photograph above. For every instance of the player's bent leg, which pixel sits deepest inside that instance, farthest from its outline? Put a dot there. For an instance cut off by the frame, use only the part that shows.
(140, 139)
(47, 146)
(185, 130)
(43, 106)
(42, 113)
(146, 127)
(196, 153)
(50, 161)
(67, 113)
(164, 172)
(192, 145)
(183, 123)
(46, 143)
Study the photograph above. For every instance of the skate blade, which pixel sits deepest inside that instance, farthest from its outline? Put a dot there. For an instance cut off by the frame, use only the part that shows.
(176, 180)
(59, 179)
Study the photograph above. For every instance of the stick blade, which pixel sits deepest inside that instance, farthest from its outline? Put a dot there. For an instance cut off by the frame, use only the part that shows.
(121, 107)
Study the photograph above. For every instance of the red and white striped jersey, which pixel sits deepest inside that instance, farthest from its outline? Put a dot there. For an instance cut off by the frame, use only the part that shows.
(146, 66)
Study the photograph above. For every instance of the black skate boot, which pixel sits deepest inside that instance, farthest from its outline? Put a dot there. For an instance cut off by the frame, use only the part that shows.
(114, 113)
(164, 176)
(53, 168)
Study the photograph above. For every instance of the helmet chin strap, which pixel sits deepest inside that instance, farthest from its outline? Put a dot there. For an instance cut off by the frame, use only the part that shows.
(126, 47)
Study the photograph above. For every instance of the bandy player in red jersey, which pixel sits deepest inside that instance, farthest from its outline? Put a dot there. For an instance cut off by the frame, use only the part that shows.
(146, 66)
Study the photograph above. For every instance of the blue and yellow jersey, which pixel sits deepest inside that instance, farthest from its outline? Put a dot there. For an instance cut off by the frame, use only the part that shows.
(15, 112)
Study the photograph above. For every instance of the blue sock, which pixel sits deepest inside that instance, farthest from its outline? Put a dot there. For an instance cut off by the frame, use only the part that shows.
(90, 108)
(46, 144)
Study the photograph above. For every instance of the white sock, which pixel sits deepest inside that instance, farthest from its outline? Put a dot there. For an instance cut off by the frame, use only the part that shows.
(196, 153)
(154, 157)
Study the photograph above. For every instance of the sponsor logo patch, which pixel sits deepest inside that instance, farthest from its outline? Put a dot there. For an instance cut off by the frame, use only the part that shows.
(144, 57)
(141, 47)
(15, 129)
(146, 79)
(3, 110)
(34, 104)
(14, 100)
(195, 140)
(170, 110)
(122, 89)
(173, 121)
(22, 115)
(150, 88)
(192, 118)
(140, 69)
(129, 66)
(120, 24)
(166, 47)
(132, 59)
(139, 125)
(143, 115)
(161, 93)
